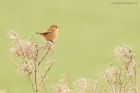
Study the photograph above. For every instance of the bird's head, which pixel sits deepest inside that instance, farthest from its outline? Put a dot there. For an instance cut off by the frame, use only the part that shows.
(53, 28)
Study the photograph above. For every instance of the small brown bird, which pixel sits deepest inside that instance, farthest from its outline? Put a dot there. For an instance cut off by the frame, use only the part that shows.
(51, 34)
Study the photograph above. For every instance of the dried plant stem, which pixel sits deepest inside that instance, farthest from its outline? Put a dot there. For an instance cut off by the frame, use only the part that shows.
(36, 69)
(111, 86)
(45, 75)
(105, 90)
(130, 75)
(43, 58)
(135, 72)
(30, 80)
(94, 88)
(35, 78)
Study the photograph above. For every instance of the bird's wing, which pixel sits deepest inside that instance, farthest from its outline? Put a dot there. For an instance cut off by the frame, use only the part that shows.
(45, 33)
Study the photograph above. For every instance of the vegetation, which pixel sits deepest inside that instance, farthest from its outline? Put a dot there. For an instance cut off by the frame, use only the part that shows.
(35, 65)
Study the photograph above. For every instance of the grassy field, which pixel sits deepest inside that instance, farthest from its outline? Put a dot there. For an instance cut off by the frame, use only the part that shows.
(89, 31)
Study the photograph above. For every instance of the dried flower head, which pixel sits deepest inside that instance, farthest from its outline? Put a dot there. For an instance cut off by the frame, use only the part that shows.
(50, 45)
(63, 88)
(130, 67)
(124, 52)
(24, 49)
(32, 59)
(111, 74)
(25, 68)
(12, 35)
(82, 83)
(133, 90)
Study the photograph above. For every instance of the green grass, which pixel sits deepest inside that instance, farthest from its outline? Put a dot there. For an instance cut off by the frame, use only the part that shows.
(89, 31)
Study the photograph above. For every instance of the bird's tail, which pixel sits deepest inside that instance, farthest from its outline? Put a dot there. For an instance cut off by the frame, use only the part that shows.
(39, 33)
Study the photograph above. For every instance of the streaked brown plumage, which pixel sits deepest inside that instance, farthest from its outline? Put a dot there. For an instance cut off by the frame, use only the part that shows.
(51, 34)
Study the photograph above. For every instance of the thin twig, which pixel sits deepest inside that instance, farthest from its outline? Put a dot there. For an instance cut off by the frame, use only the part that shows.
(29, 78)
(35, 77)
(45, 75)
(43, 58)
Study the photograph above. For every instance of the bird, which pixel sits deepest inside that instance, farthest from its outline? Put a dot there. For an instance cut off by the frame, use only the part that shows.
(50, 34)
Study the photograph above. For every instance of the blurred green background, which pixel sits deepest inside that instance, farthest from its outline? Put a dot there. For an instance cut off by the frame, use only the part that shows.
(89, 31)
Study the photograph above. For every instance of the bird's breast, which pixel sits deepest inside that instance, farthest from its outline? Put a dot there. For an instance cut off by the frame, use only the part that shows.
(51, 36)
